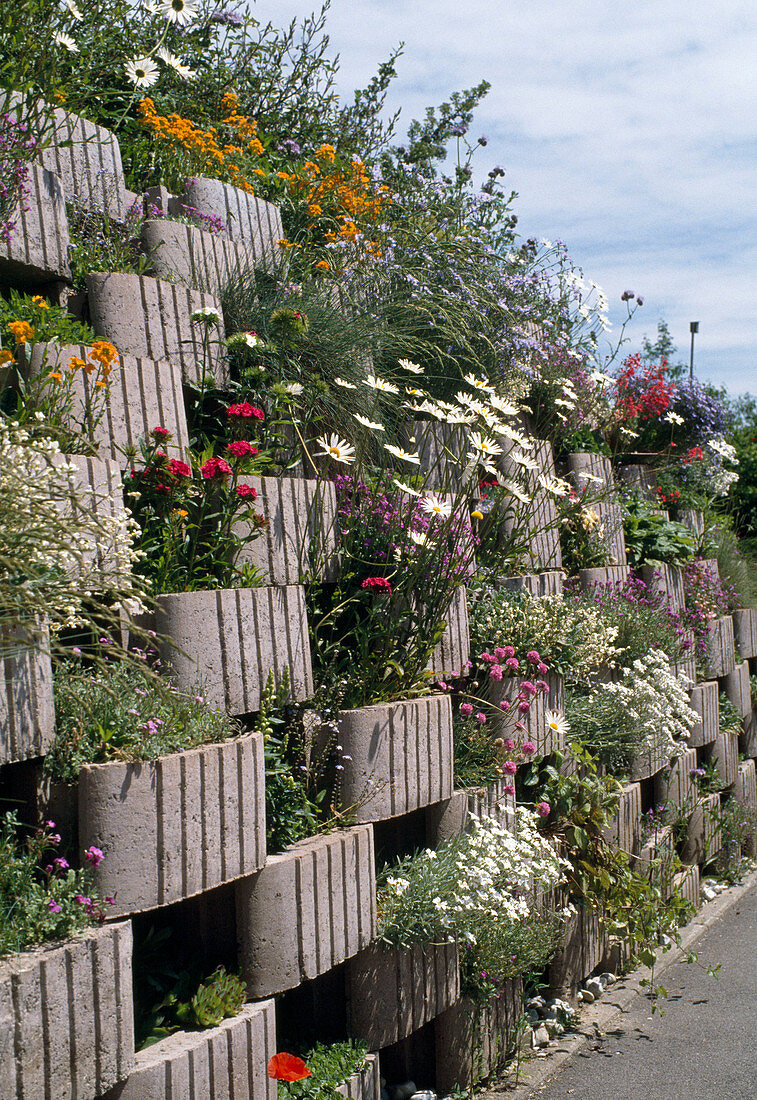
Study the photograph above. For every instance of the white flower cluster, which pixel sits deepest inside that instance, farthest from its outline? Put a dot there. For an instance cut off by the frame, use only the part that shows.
(490, 871)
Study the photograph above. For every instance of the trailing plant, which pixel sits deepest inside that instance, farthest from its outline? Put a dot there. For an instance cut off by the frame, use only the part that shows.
(737, 821)
(100, 241)
(583, 535)
(500, 949)
(43, 898)
(17, 149)
(117, 711)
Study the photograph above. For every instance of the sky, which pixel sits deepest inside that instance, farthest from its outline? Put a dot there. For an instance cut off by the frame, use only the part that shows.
(627, 129)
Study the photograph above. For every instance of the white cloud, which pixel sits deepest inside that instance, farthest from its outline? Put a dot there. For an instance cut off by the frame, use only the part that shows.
(627, 130)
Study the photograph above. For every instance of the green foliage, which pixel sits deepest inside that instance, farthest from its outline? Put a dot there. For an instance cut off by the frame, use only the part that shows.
(650, 538)
(48, 321)
(118, 712)
(39, 903)
(506, 949)
(330, 1065)
(737, 822)
(729, 716)
(583, 542)
(101, 242)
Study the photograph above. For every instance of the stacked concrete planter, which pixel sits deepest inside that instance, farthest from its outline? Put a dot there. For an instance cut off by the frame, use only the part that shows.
(472, 1041)
(624, 831)
(299, 539)
(738, 689)
(603, 575)
(226, 1061)
(724, 754)
(648, 762)
(676, 783)
(703, 838)
(27, 716)
(453, 651)
(745, 631)
(365, 1085)
(66, 1014)
(142, 394)
(398, 756)
(542, 519)
(443, 452)
(584, 945)
(394, 991)
(657, 857)
(175, 826)
(746, 784)
(687, 883)
(191, 256)
(37, 255)
(309, 909)
(150, 319)
(721, 658)
(231, 639)
(536, 584)
(667, 579)
(601, 500)
(249, 221)
(86, 158)
(704, 700)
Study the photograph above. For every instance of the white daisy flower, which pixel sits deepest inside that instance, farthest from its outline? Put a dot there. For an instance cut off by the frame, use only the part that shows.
(564, 403)
(524, 460)
(516, 491)
(673, 418)
(345, 385)
(420, 538)
(338, 449)
(66, 41)
(142, 72)
(436, 506)
(411, 391)
(175, 63)
(556, 722)
(380, 384)
(404, 455)
(372, 424)
(406, 364)
(411, 492)
(554, 485)
(74, 10)
(477, 383)
(484, 446)
(295, 388)
(502, 406)
(180, 12)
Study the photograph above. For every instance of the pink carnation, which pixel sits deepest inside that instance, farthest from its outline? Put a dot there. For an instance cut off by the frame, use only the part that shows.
(216, 467)
(179, 468)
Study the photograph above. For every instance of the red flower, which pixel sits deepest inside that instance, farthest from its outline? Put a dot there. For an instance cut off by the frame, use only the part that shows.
(179, 468)
(216, 467)
(240, 447)
(245, 409)
(247, 491)
(379, 585)
(287, 1067)
(161, 433)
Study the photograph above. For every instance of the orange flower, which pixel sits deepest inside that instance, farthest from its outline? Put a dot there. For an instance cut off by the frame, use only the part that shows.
(40, 301)
(76, 364)
(5, 356)
(287, 1067)
(324, 265)
(21, 331)
(56, 376)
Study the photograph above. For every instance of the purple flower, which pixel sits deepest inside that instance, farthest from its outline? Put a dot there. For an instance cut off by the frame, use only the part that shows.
(53, 906)
(94, 856)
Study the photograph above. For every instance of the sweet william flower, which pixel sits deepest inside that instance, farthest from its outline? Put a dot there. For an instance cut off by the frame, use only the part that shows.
(247, 492)
(240, 448)
(178, 468)
(216, 468)
(245, 411)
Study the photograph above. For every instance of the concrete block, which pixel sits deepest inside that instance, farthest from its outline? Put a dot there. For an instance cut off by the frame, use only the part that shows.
(746, 784)
(365, 1085)
(310, 908)
(300, 539)
(394, 991)
(87, 160)
(601, 498)
(175, 826)
(657, 858)
(150, 319)
(724, 754)
(745, 631)
(228, 1062)
(142, 394)
(704, 700)
(687, 882)
(193, 256)
(96, 488)
(675, 784)
(640, 478)
(624, 830)
(748, 738)
(603, 575)
(546, 739)
(249, 221)
(648, 762)
(401, 757)
(722, 656)
(472, 1041)
(540, 516)
(67, 1011)
(27, 714)
(38, 250)
(667, 579)
(443, 450)
(738, 689)
(537, 584)
(693, 520)
(584, 946)
(453, 650)
(231, 639)
(703, 839)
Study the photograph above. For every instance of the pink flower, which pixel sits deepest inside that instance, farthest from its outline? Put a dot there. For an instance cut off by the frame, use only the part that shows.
(247, 491)
(543, 809)
(161, 433)
(80, 899)
(495, 672)
(179, 468)
(543, 686)
(94, 856)
(512, 663)
(508, 744)
(216, 467)
(508, 651)
(61, 864)
(466, 709)
(510, 789)
(542, 669)
(524, 706)
(481, 718)
(504, 705)
(533, 657)
(380, 586)
(245, 409)
(527, 688)
(490, 660)
(509, 767)
(500, 654)
(53, 906)
(528, 748)
(239, 448)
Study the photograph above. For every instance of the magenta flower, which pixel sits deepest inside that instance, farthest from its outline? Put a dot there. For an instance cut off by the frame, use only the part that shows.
(512, 663)
(542, 669)
(510, 789)
(528, 748)
(500, 654)
(533, 657)
(504, 705)
(481, 718)
(509, 767)
(53, 906)
(466, 709)
(508, 651)
(508, 744)
(495, 672)
(94, 856)
(543, 809)
(524, 706)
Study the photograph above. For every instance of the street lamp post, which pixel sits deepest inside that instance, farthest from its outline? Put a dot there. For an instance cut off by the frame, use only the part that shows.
(693, 327)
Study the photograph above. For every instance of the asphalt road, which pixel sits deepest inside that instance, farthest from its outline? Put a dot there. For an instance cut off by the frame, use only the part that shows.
(703, 1048)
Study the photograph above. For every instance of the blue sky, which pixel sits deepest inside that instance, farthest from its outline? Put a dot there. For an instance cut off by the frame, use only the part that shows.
(627, 129)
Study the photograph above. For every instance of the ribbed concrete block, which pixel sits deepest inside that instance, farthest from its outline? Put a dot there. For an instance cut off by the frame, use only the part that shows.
(443, 450)
(231, 639)
(192, 256)
(401, 756)
(721, 657)
(745, 631)
(394, 991)
(738, 689)
(547, 740)
(27, 714)
(228, 1062)
(666, 579)
(687, 882)
(87, 160)
(748, 737)
(310, 908)
(724, 754)
(150, 319)
(38, 248)
(624, 831)
(676, 783)
(96, 489)
(640, 478)
(175, 826)
(686, 666)
(703, 698)
(67, 1019)
(540, 516)
(603, 575)
(584, 945)
(365, 1085)
(472, 1041)
(648, 762)
(746, 784)
(453, 651)
(249, 221)
(703, 836)
(657, 859)
(142, 394)
(299, 540)
(693, 520)
(601, 499)
(537, 584)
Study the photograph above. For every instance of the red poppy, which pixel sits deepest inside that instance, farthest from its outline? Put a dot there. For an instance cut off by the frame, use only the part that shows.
(287, 1067)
